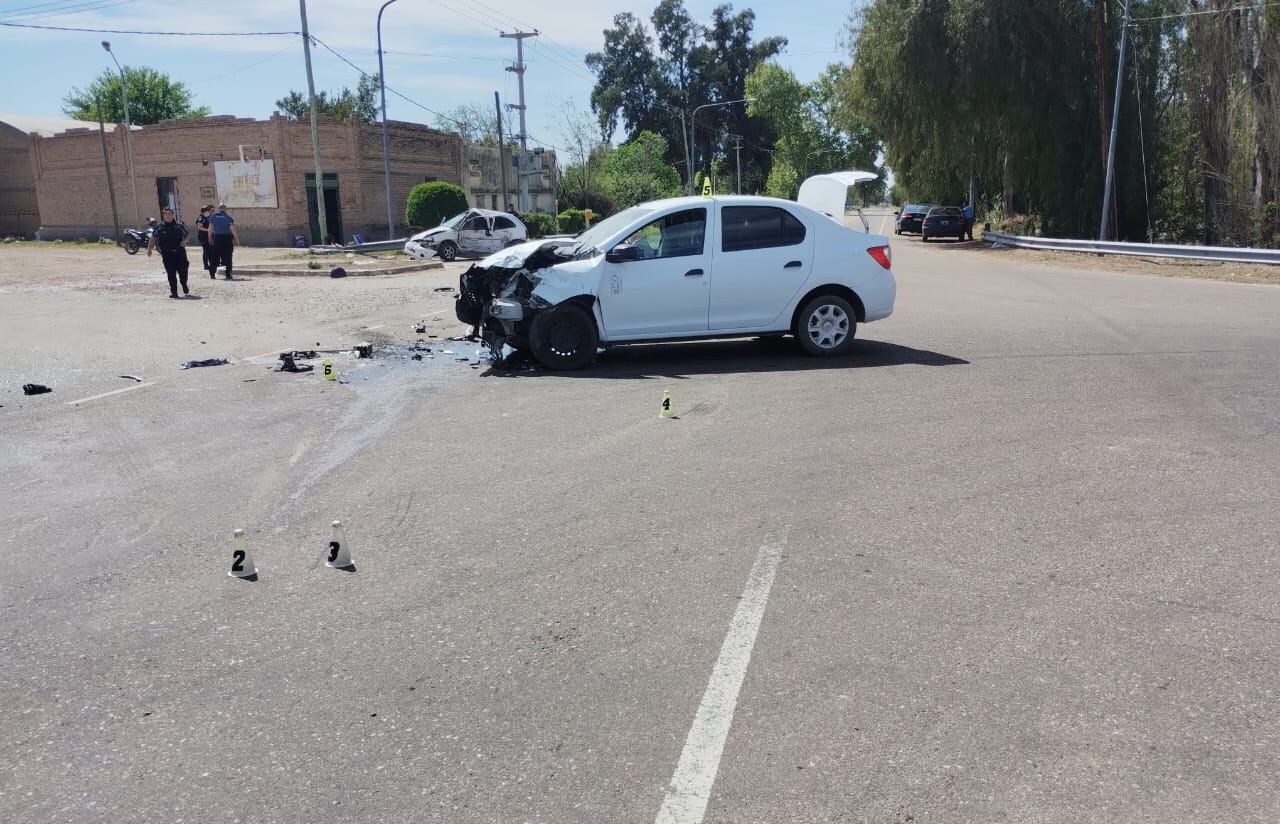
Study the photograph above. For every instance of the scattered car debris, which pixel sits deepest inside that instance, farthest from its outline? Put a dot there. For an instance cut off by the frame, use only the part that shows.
(134, 378)
(192, 364)
(288, 364)
(300, 354)
(35, 389)
(420, 328)
(364, 350)
(448, 352)
(415, 356)
(443, 289)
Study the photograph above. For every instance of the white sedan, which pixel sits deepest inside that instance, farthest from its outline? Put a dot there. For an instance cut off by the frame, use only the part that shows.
(682, 269)
(474, 233)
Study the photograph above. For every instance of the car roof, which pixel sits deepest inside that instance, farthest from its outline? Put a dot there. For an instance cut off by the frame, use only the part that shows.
(723, 200)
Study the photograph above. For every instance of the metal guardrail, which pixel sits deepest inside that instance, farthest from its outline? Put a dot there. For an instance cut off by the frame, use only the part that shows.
(377, 246)
(1162, 250)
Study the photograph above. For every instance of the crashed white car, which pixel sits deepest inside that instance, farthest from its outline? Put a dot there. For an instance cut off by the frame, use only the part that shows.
(688, 268)
(474, 233)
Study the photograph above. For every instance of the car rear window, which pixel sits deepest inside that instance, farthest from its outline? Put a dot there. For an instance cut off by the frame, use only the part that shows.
(948, 212)
(503, 223)
(758, 227)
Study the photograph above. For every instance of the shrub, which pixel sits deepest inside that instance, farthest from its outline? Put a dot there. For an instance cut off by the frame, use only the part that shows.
(431, 203)
(540, 224)
(572, 221)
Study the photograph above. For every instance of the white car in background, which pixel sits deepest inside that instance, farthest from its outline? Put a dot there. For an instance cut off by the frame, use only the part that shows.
(688, 268)
(474, 233)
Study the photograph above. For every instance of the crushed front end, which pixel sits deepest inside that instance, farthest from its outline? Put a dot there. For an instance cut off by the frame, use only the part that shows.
(496, 296)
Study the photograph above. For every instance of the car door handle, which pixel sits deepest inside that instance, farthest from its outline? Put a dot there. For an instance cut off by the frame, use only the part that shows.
(795, 264)
(693, 273)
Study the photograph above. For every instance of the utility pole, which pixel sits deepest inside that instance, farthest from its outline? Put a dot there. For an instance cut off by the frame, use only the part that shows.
(106, 161)
(128, 140)
(521, 177)
(502, 145)
(386, 145)
(688, 159)
(737, 149)
(1115, 124)
(315, 126)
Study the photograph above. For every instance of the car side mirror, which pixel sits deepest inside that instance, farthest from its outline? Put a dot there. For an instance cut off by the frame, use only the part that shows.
(622, 253)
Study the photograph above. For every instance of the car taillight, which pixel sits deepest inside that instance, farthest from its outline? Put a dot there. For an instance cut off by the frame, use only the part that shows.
(881, 254)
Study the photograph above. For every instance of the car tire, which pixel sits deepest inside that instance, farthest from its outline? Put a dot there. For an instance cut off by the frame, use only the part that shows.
(924, 238)
(564, 337)
(447, 251)
(826, 325)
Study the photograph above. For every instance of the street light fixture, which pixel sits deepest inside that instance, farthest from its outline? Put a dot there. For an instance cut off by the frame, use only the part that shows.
(693, 127)
(386, 152)
(128, 141)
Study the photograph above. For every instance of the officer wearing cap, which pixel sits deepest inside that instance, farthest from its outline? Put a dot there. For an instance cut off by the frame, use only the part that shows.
(223, 236)
(169, 237)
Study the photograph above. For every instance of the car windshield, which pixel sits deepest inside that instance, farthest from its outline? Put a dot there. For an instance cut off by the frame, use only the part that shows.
(585, 244)
(452, 223)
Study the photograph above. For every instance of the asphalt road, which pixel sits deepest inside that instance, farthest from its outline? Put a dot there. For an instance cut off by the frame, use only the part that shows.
(1013, 560)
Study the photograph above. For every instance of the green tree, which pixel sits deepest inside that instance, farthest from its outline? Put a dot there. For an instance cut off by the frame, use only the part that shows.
(153, 96)
(637, 171)
(430, 204)
(817, 132)
(360, 106)
(646, 78)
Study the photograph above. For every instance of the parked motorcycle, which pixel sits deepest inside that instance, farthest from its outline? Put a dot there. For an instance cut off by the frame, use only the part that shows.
(135, 239)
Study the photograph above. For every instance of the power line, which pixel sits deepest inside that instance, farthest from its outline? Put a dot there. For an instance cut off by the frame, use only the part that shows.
(1249, 7)
(62, 7)
(136, 31)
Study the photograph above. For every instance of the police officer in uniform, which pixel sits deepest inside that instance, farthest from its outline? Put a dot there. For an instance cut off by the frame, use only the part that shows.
(170, 237)
(202, 233)
(222, 231)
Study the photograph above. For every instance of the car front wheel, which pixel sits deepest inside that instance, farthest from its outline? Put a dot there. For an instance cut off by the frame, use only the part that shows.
(447, 251)
(564, 337)
(826, 326)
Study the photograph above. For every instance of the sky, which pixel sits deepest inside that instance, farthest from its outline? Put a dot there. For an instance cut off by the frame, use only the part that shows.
(439, 53)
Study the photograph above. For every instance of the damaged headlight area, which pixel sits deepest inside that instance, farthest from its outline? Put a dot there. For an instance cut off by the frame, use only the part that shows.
(497, 300)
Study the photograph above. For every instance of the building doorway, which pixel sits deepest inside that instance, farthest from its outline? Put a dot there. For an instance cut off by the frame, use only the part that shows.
(332, 210)
(167, 196)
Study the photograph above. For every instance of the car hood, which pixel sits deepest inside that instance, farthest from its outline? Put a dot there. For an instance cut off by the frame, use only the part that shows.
(516, 257)
(439, 230)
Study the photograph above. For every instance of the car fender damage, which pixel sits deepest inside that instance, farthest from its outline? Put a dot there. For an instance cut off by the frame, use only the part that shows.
(501, 295)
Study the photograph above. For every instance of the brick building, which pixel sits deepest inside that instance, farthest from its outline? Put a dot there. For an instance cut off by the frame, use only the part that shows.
(19, 211)
(262, 168)
(483, 180)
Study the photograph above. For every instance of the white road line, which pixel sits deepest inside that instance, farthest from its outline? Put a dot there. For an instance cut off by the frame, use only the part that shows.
(690, 787)
(112, 392)
(371, 328)
(272, 355)
(882, 222)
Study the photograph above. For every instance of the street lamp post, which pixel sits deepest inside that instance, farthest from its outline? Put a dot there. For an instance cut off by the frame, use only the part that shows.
(693, 126)
(128, 140)
(386, 152)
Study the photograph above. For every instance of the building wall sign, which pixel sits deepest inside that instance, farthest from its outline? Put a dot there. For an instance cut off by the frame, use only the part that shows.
(246, 184)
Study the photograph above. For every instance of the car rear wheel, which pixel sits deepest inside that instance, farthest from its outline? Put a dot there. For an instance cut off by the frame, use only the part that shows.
(448, 251)
(564, 337)
(826, 325)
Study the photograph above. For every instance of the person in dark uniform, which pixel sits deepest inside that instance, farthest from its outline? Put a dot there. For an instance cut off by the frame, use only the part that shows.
(222, 231)
(202, 233)
(171, 237)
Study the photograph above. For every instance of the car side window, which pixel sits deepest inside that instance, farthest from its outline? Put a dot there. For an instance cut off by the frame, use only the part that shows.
(475, 224)
(679, 234)
(503, 223)
(758, 227)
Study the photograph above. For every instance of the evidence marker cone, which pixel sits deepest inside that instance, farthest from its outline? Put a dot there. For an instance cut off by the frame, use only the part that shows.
(241, 561)
(339, 556)
(668, 411)
(330, 374)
